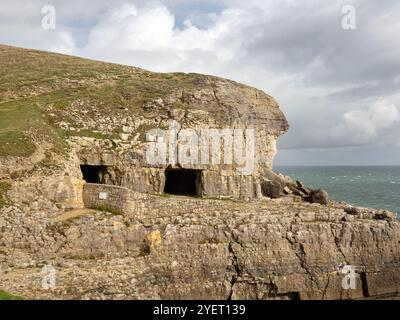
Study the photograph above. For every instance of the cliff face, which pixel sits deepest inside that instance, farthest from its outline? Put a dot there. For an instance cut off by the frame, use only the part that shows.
(81, 112)
(58, 113)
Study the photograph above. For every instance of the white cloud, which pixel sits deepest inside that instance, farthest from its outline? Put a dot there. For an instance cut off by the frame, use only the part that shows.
(64, 42)
(364, 126)
(131, 30)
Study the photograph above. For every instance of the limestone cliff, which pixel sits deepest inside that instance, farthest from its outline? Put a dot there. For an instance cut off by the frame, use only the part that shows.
(123, 237)
(80, 112)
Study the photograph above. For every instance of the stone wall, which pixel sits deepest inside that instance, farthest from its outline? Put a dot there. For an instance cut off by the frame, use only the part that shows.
(136, 204)
(103, 196)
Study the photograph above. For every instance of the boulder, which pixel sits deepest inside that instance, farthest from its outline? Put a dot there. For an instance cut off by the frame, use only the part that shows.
(385, 215)
(300, 187)
(287, 190)
(319, 196)
(272, 189)
(299, 184)
(296, 191)
(304, 191)
(351, 210)
(278, 178)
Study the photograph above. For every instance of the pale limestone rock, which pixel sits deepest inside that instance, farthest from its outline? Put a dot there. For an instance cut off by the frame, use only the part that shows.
(211, 249)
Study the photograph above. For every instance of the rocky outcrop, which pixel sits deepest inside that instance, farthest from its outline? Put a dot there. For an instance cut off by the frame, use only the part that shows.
(183, 248)
(275, 185)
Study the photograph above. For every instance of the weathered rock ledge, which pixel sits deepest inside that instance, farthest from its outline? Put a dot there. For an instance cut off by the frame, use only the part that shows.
(203, 248)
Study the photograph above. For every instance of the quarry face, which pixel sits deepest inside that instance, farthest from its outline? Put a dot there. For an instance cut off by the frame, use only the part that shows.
(213, 125)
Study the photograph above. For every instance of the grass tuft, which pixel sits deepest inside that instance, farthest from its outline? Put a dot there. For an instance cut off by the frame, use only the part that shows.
(106, 208)
(7, 296)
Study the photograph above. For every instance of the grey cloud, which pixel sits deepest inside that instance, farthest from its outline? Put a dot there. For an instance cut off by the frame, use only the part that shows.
(365, 91)
(309, 33)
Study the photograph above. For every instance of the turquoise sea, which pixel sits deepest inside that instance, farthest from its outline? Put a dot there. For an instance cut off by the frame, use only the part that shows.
(375, 187)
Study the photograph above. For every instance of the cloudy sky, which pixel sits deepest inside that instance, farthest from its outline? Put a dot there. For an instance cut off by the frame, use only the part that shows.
(338, 87)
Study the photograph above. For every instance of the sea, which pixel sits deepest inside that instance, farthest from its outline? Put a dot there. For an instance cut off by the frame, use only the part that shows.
(373, 187)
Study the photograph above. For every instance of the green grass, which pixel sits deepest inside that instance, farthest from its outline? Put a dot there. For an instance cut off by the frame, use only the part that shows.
(15, 118)
(7, 296)
(20, 121)
(144, 250)
(106, 208)
(33, 82)
(162, 195)
(14, 143)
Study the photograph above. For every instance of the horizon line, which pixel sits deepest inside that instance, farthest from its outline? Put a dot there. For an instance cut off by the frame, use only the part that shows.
(338, 165)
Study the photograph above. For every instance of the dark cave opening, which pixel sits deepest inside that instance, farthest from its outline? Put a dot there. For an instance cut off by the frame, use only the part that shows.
(92, 174)
(182, 182)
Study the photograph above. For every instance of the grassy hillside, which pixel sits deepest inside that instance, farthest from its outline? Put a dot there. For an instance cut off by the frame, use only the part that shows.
(31, 81)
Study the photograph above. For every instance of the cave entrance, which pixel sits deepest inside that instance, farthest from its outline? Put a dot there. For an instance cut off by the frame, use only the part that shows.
(182, 182)
(93, 174)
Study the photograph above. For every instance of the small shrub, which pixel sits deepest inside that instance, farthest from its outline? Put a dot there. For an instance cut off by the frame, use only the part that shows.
(144, 250)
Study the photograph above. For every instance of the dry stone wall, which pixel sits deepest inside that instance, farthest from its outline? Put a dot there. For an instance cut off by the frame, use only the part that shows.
(109, 197)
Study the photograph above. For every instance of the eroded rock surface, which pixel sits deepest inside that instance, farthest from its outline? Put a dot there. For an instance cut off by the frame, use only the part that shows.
(182, 248)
